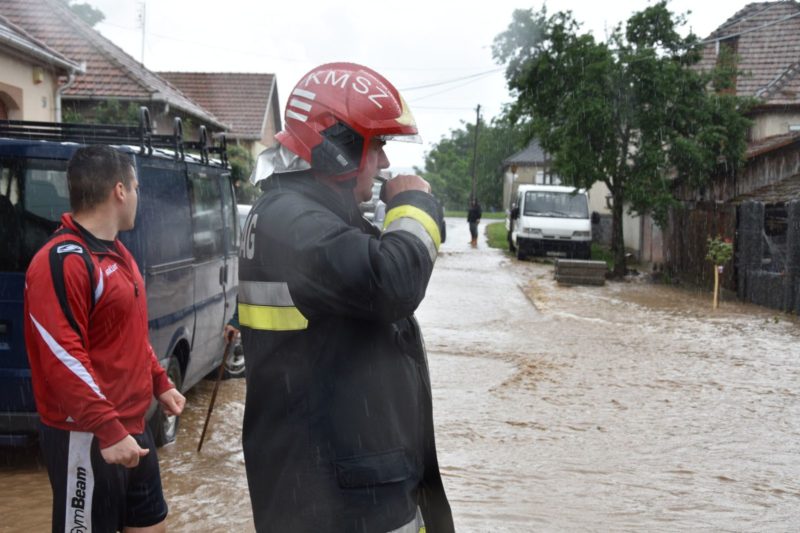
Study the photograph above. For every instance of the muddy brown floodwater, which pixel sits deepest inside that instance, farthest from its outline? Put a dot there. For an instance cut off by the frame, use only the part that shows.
(629, 407)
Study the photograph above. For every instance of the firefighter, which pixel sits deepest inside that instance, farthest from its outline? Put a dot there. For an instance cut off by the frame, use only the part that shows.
(338, 431)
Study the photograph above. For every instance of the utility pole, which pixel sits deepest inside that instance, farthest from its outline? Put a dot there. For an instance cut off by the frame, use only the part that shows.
(475, 153)
(143, 23)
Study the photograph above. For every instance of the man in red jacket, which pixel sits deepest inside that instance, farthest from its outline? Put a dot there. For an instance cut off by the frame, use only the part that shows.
(94, 372)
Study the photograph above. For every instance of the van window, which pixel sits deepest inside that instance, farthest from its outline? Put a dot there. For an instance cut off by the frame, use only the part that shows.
(33, 196)
(556, 204)
(206, 216)
(46, 192)
(229, 215)
(164, 211)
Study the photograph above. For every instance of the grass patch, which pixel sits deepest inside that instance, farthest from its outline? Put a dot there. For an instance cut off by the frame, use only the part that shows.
(499, 215)
(497, 235)
(603, 253)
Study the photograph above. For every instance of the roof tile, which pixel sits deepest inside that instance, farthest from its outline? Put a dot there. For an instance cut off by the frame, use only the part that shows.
(240, 100)
(768, 50)
(110, 72)
(531, 154)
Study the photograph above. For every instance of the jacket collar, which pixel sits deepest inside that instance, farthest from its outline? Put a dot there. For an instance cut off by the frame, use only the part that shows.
(341, 203)
(95, 245)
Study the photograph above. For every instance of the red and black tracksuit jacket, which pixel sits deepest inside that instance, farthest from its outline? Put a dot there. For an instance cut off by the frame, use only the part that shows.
(92, 365)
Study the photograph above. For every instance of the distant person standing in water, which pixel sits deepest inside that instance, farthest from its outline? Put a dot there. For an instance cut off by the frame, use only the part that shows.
(474, 218)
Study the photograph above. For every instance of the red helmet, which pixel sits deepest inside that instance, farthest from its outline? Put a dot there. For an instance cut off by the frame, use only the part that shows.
(336, 110)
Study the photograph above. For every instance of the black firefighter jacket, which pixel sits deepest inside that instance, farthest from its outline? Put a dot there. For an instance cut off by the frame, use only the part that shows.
(338, 429)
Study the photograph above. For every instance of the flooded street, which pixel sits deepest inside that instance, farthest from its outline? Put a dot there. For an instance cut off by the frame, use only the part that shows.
(628, 407)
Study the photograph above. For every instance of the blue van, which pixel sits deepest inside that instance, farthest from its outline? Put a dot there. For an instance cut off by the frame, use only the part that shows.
(185, 242)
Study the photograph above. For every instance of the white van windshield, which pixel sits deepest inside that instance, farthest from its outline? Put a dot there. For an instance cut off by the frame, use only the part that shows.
(555, 204)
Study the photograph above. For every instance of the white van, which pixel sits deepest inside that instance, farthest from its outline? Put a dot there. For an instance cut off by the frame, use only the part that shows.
(550, 220)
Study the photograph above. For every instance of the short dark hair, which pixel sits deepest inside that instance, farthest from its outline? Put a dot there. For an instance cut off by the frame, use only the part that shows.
(92, 172)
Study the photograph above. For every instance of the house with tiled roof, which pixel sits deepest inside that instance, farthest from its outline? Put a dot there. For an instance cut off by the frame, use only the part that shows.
(246, 103)
(29, 83)
(110, 73)
(527, 166)
(764, 39)
(759, 204)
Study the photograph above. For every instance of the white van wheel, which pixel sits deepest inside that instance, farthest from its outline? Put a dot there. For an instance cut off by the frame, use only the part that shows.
(165, 428)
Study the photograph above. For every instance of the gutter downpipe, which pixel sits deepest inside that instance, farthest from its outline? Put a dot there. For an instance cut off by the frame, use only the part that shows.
(62, 88)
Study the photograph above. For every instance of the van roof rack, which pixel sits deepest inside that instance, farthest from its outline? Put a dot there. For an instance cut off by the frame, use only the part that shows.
(121, 134)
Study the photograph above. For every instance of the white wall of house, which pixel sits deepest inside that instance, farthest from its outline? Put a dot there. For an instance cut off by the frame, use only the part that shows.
(256, 148)
(512, 180)
(597, 198)
(632, 232)
(27, 90)
(769, 124)
(631, 224)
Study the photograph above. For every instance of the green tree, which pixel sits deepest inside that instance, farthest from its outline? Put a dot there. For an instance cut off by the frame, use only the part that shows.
(241, 162)
(448, 165)
(89, 14)
(633, 113)
(105, 112)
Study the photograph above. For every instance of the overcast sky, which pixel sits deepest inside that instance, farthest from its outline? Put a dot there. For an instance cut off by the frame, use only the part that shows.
(412, 43)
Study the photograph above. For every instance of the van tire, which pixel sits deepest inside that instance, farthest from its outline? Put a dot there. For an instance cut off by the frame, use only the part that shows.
(165, 428)
(521, 255)
(511, 247)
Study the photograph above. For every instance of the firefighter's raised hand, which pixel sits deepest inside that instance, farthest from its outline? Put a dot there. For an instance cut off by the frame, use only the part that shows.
(405, 182)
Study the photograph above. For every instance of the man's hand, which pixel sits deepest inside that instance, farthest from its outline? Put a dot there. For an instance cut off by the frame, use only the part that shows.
(126, 453)
(172, 402)
(229, 333)
(404, 182)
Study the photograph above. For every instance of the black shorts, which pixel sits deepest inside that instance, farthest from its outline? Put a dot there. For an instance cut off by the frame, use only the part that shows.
(92, 495)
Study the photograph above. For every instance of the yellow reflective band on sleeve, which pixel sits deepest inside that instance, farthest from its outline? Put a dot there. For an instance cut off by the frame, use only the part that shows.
(268, 318)
(415, 213)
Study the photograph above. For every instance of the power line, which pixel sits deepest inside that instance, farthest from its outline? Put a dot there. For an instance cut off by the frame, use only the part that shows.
(751, 30)
(473, 80)
(434, 108)
(452, 80)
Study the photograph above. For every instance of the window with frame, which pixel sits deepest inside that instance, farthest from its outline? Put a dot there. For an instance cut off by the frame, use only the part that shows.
(207, 222)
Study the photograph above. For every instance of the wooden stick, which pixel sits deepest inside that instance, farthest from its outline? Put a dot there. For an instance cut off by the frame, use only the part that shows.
(216, 387)
(716, 286)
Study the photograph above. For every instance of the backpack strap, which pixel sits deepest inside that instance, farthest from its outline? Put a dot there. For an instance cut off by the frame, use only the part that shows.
(58, 253)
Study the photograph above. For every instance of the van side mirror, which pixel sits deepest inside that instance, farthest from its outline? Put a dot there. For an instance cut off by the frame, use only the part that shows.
(595, 217)
(514, 213)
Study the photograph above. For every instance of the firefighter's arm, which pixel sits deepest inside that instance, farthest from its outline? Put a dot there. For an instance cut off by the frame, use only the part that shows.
(343, 271)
